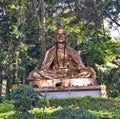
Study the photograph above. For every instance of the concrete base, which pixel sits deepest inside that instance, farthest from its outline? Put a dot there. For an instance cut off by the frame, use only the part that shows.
(95, 91)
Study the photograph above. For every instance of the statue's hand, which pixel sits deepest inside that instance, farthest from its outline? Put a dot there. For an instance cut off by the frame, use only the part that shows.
(84, 75)
(36, 75)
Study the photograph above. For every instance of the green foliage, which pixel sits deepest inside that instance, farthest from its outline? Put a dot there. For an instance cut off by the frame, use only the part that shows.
(2, 99)
(89, 103)
(20, 34)
(25, 98)
(70, 113)
(87, 107)
(113, 84)
(97, 51)
(25, 115)
(6, 106)
(106, 115)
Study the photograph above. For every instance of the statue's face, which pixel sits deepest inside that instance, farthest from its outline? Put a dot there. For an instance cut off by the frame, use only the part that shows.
(60, 36)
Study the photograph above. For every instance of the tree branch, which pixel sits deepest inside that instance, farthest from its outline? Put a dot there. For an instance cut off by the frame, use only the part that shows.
(112, 19)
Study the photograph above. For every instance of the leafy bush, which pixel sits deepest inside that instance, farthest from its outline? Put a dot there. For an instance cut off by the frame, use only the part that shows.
(103, 108)
(25, 98)
(112, 80)
(1, 99)
(106, 115)
(89, 103)
(6, 106)
(70, 113)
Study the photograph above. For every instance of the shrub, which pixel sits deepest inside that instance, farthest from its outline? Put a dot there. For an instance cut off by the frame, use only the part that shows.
(25, 99)
(6, 106)
(70, 113)
(2, 99)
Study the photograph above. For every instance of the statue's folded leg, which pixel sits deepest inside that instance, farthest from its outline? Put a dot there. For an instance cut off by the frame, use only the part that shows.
(88, 72)
(34, 74)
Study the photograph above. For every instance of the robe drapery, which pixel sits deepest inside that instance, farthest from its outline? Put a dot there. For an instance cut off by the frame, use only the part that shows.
(76, 68)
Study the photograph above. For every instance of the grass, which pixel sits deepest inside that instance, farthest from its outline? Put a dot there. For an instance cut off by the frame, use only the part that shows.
(103, 108)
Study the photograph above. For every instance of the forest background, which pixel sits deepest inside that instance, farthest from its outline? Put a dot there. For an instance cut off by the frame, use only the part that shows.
(27, 31)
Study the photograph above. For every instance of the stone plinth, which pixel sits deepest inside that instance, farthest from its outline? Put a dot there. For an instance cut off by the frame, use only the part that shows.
(81, 91)
(37, 83)
(77, 87)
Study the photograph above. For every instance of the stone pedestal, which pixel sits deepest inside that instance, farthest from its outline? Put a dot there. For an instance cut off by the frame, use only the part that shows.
(95, 91)
(37, 83)
(77, 87)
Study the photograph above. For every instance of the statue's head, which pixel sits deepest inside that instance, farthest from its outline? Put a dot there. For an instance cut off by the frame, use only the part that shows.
(61, 35)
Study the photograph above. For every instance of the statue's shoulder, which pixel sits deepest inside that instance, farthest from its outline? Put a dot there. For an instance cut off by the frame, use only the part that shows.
(52, 49)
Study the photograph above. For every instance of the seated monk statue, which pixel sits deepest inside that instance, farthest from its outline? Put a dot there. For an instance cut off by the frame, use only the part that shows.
(62, 62)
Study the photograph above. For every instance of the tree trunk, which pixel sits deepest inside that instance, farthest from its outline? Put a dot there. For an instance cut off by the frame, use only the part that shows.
(42, 27)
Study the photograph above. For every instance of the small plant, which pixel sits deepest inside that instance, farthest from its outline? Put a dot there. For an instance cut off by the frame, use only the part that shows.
(25, 99)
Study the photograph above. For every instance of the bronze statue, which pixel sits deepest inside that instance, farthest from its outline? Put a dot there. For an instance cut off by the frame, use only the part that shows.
(62, 62)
